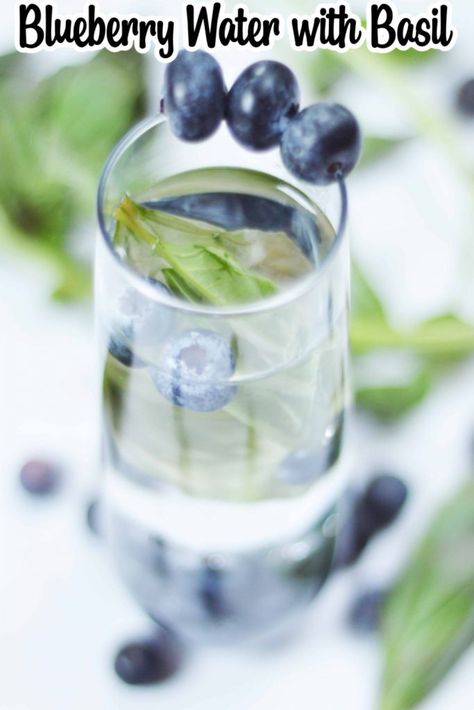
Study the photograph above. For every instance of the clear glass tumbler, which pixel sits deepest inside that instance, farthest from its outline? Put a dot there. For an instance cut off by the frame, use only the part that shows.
(222, 503)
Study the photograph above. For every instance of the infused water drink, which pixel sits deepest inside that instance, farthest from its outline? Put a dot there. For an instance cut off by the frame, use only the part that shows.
(222, 311)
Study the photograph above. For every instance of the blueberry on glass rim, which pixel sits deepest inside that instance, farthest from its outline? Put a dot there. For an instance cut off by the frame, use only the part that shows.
(321, 143)
(194, 95)
(260, 104)
(194, 369)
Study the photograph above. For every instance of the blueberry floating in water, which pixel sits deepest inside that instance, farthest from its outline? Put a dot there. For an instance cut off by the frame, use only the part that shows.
(366, 611)
(39, 477)
(465, 98)
(194, 95)
(260, 103)
(119, 348)
(139, 320)
(193, 371)
(321, 142)
(305, 465)
(148, 661)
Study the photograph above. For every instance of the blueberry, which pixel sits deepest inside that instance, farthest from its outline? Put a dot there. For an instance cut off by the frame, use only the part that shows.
(39, 477)
(194, 369)
(366, 611)
(147, 661)
(465, 98)
(93, 516)
(301, 466)
(351, 540)
(383, 499)
(367, 514)
(194, 95)
(305, 465)
(119, 348)
(260, 103)
(321, 142)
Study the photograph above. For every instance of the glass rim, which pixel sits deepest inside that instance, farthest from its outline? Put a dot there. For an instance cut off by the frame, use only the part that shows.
(290, 294)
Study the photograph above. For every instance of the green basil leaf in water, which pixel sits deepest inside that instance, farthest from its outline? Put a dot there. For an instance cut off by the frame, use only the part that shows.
(208, 271)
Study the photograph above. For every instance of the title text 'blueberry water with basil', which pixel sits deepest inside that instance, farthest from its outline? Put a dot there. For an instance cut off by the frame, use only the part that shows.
(222, 301)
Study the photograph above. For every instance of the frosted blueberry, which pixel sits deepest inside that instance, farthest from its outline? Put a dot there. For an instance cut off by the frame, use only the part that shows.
(194, 369)
(194, 95)
(321, 142)
(138, 320)
(301, 466)
(260, 104)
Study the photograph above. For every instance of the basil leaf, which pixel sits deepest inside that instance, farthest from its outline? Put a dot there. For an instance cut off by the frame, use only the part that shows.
(428, 621)
(208, 271)
(391, 401)
(375, 148)
(365, 301)
(179, 286)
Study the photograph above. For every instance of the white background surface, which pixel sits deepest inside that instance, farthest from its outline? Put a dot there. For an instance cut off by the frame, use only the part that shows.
(64, 612)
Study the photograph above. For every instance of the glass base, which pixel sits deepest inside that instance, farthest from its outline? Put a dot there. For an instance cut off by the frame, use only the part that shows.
(222, 593)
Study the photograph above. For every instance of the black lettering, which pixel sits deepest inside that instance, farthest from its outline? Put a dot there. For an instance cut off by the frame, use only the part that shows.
(113, 29)
(302, 33)
(166, 39)
(146, 28)
(255, 27)
(25, 24)
(98, 32)
(202, 22)
(80, 30)
(443, 37)
(423, 36)
(376, 25)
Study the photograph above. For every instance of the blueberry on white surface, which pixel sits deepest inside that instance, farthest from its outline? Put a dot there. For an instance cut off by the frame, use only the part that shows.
(194, 95)
(321, 142)
(366, 610)
(194, 369)
(383, 499)
(465, 98)
(39, 477)
(260, 103)
(147, 661)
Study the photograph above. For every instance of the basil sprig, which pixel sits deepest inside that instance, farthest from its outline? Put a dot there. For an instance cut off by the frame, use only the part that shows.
(200, 268)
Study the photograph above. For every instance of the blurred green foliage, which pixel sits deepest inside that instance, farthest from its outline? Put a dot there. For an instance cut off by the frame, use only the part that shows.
(54, 137)
(56, 133)
(428, 622)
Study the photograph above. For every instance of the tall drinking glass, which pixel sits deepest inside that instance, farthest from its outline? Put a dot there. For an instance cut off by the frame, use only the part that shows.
(222, 491)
